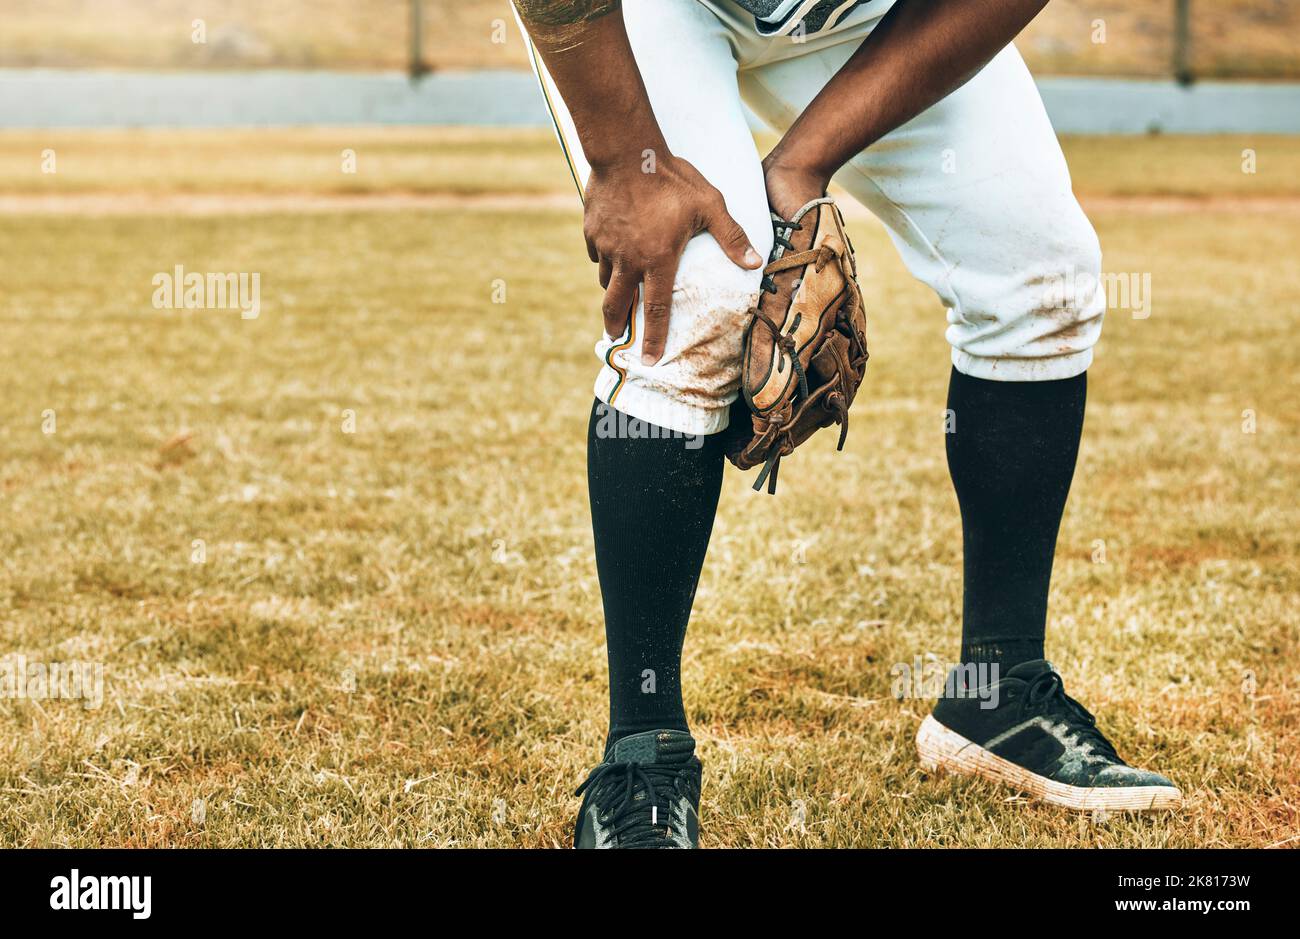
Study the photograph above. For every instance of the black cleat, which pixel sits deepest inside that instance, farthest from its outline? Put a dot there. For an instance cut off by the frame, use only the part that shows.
(646, 794)
(1039, 740)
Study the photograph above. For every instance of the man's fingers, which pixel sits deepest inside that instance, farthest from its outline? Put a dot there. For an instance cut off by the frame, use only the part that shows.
(657, 306)
(606, 272)
(735, 243)
(620, 301)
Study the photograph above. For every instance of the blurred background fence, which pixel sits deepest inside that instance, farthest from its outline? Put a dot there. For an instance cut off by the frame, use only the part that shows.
(1201, 39)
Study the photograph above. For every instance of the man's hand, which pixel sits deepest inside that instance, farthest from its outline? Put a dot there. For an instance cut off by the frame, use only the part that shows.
(638, 223)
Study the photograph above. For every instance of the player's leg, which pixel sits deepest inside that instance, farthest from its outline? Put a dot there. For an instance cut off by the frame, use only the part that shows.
(976, 196)
(653, 490)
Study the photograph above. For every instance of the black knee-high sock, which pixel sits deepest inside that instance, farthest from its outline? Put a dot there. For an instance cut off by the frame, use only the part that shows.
(1012, 458)
(653, 500)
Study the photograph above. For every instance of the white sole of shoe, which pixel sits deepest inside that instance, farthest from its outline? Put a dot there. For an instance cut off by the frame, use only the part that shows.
(941, 748)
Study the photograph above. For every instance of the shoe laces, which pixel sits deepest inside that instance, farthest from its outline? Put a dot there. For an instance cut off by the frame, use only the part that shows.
(638, 823)
(1046, 695)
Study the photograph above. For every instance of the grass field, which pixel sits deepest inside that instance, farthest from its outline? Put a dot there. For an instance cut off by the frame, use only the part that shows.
(335, 560)
(1229, 38)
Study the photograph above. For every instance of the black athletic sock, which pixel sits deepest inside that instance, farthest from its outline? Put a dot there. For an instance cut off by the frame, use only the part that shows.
(653, 500)
(1011, 452)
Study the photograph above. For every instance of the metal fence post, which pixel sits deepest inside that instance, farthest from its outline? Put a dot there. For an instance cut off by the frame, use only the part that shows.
(418, 67)
(1183, 42)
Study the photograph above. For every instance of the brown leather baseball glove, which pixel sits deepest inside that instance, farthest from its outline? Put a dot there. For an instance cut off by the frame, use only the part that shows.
(805, 346)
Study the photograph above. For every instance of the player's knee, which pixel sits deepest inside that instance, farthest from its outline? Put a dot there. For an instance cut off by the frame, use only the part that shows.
(712, 293)
(1073, 296)
(1033, 313)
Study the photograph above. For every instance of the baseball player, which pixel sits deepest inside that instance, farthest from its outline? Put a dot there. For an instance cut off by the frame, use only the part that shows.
(924, 112)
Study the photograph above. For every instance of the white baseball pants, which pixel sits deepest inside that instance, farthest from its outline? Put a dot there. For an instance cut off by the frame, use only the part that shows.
(974, 192)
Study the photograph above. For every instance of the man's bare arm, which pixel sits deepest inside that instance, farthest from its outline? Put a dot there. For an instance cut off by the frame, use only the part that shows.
(585, 47)
(642, 204)
(921, 51)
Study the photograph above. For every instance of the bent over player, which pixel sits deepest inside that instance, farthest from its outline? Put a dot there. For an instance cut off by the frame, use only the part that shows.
(872, 94)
